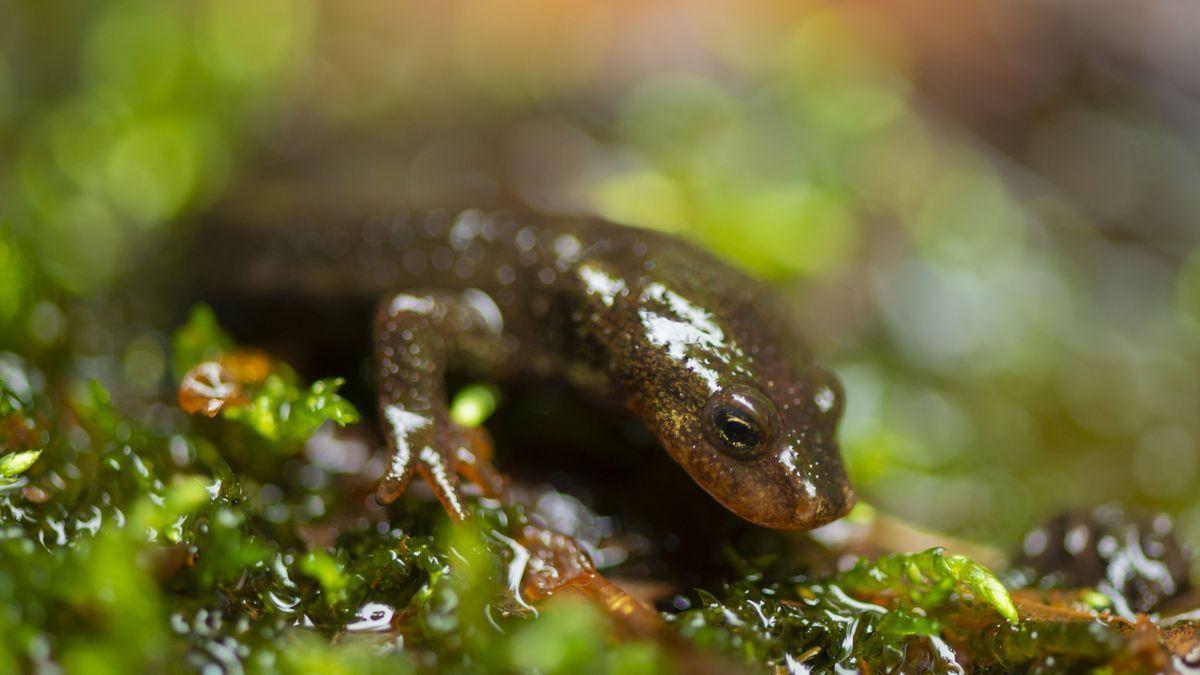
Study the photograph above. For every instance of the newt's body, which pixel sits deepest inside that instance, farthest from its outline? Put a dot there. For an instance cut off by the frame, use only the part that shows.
(699, 352)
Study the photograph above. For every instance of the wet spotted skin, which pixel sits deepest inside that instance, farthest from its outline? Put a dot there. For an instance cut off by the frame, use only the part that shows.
(705, 356)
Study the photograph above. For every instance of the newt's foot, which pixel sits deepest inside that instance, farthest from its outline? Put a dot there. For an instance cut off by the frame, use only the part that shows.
(558, 564)
(446, 452)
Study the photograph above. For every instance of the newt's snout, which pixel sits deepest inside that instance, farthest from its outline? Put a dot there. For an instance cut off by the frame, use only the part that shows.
(767, 451)
(788, 491)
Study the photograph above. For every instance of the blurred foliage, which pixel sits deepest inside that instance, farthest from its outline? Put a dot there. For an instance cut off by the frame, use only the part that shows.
(198, 340)
(281, 411)
(135, 124)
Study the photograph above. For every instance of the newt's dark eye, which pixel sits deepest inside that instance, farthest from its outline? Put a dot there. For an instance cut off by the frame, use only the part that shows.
(739, 421)
(736, 432)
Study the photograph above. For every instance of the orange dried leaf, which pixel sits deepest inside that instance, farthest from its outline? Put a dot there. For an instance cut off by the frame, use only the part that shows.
(247, 365)
(209, 388)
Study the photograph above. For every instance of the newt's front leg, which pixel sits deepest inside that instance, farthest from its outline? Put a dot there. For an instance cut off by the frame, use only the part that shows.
(415, 335)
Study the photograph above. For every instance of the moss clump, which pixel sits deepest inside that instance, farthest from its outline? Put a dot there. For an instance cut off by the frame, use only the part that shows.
(133, 536)
(164, 543)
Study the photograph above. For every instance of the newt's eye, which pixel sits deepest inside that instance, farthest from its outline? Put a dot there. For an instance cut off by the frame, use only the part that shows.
(739, 421)
(737, 432)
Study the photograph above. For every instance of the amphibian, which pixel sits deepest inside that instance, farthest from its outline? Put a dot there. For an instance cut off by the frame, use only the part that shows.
(702, 354)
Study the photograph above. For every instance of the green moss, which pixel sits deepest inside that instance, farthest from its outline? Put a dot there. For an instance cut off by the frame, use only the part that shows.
(16, 463)
(195, 542)
(279, 409)
(161, 547)
(282, 411)
(919, 612)
(928, 580)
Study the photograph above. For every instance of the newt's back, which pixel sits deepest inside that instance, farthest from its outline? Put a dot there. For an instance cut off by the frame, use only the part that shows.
(703, 354)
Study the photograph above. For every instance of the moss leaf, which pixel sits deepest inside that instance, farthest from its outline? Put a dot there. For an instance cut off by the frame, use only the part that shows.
(928, 579)
(16, 463)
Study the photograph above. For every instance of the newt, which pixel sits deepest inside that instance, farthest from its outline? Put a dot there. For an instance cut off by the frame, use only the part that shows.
(705, 356)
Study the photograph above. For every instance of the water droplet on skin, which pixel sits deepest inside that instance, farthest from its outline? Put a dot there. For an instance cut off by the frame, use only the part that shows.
(526, 239)
(1035, 543)
(442, 258)
(414, 262)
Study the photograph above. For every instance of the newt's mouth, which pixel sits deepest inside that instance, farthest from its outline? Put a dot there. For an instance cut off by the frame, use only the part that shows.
(784, 493)
(826, 510)
(805, 514)
(785, 509)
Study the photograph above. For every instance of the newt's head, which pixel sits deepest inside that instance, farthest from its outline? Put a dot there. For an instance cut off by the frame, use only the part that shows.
(724, 384)
(769, 454)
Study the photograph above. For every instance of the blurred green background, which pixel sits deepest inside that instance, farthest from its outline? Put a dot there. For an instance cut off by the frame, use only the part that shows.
(986, 212)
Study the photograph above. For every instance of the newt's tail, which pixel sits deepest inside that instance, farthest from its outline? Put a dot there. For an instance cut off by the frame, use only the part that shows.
(285, 270)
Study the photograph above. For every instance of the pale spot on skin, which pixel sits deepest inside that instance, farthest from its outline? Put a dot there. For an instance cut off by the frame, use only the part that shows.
(486, 307)
(699, 322)
(788, 457)
(411, 303)
(599, 283)
(439, 475)
(685, 328)
(466, 228)
(403, 423)
(567, 248)
(825, 399)
(526, 239)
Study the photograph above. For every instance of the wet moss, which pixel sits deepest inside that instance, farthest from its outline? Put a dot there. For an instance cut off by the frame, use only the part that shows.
(128, 545)
(134, 536)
